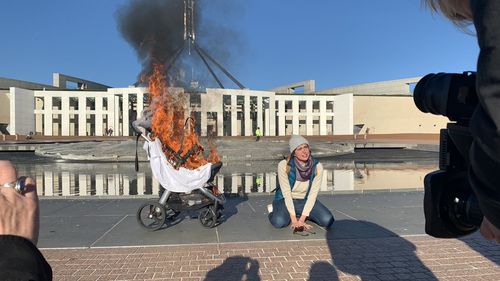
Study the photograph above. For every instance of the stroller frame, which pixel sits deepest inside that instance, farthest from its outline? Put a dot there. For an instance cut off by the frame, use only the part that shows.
(153, 215)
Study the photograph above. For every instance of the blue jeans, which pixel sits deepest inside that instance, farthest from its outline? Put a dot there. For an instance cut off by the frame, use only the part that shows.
(280, 217)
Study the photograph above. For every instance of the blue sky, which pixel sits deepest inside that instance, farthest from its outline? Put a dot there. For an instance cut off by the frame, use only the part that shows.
(271, 43)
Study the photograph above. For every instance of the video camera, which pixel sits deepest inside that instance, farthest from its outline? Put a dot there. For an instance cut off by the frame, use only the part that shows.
(450, 206)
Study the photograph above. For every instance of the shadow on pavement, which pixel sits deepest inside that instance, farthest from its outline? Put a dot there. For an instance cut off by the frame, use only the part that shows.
(355, 250)
(482, 246)
(235, 268)
(230, 208)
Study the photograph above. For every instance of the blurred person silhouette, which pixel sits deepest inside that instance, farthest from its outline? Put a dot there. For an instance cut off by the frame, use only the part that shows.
(369, 252)
(235, 268)
(20, 259)
(299, 178)
(484, 125)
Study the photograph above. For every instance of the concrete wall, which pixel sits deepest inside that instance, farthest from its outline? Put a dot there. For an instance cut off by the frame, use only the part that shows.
(343, 119)
(22, 120)
(390, 87)
(394, 114)
(4, 106)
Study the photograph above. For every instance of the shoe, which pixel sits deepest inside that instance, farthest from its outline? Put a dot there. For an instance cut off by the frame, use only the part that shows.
(270, 208)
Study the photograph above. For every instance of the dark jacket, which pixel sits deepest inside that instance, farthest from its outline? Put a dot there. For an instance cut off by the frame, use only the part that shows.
(485, 122)
(21, 260)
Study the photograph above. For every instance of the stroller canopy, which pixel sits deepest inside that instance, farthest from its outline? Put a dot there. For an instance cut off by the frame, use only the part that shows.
(181, 180)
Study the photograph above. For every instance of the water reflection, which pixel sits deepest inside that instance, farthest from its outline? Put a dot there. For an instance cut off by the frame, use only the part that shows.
(56, 179)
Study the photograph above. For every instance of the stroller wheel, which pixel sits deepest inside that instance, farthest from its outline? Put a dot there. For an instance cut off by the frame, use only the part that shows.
(151, 215)
(208, 217)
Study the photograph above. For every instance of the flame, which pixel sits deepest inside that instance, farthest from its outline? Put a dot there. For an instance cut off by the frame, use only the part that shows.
(170, 125)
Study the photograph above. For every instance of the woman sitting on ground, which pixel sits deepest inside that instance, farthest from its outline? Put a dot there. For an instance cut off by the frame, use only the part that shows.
(299, 179)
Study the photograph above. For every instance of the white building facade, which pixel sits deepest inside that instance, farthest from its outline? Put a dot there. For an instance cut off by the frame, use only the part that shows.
(220, 112)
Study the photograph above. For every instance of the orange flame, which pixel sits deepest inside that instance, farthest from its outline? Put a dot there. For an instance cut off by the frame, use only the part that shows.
(169, 124)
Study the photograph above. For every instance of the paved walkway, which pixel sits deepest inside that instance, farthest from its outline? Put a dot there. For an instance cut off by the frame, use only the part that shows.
(376, 236)
(393, 258)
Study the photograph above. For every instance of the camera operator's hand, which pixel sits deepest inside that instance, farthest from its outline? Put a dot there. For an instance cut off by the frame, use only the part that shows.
(19, 213)
(489, 231)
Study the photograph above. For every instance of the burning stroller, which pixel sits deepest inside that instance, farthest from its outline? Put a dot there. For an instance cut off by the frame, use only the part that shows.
(177, 162)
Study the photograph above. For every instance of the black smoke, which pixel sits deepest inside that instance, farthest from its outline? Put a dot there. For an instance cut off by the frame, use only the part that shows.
(155, 29)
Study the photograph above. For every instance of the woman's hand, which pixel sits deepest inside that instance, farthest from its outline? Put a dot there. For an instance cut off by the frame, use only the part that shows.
(300, 223)
(19, 213)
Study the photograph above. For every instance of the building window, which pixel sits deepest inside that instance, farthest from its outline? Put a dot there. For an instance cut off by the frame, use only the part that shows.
(329, 106)
(56, 103)
(90, 103)
(302, 106)
(73, 103)
(40, 103)
(315, 106)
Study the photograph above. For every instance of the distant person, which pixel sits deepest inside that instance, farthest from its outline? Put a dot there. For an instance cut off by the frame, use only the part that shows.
(299, 178)
(110, 131)
(485, 122)
(19, 228)
(258, 134)
(258, 182)
(29, 136)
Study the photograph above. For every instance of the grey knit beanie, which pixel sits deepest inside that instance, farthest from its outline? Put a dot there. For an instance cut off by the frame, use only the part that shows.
(296, 141)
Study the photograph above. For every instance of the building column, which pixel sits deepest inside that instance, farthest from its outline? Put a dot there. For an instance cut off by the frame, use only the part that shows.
(82, 184)
(141, 183)
(99, 184)
(117, 128)
(66, 184)
(126, 185)
(125, 115)
(155, 186)
(203, 122)
(235, 184)
(220, 183)
(47, 115)
(281, 118)
(82, 116)
(98, 117)
(309, 118)
(295, 117)
(110, 111)
(48, 183)
(65, 116)
(322, 117)
(234, 116)
(220, 123)
(248, 184)
(272, 117)
(270, 182)
(259, 113)
(248, 120)
(140, 104)
(39, 184)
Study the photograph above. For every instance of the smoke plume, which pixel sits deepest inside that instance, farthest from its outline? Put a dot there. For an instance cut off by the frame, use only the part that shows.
(155, 29)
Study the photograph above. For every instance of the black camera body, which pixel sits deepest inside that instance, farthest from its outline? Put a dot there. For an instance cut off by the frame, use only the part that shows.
(450, 206)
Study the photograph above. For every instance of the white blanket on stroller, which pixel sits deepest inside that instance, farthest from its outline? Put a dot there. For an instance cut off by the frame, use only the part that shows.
(181, 180)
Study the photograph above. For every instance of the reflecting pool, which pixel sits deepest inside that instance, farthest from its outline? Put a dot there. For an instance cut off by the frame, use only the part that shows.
(344, 174)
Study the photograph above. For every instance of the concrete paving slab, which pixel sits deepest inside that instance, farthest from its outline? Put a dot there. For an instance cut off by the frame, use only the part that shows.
(129, 233)
(112, 222)
(73, 231)
(400, 212)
